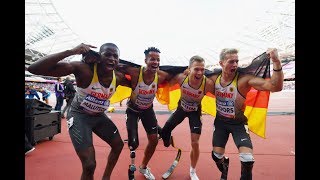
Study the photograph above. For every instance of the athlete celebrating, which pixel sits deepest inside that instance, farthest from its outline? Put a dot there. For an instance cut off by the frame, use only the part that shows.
(194, 86)
(96, 83)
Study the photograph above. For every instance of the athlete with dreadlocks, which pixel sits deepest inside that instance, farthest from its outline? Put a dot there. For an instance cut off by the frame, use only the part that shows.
(144, 84)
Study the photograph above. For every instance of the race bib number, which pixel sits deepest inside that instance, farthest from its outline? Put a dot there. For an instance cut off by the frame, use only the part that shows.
(94, 104)
(226, 108)
(144, 103)
(189, 106)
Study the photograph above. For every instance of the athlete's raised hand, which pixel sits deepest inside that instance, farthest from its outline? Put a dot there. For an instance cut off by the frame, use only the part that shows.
(82, 48)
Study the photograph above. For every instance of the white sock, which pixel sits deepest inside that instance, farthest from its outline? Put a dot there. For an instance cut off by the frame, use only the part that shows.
(192, 169)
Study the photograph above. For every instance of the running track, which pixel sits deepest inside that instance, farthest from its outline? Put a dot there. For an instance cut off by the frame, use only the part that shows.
(274, 156)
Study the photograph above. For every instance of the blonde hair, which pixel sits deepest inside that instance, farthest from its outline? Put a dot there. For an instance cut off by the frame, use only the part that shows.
(196, 58)
(226, 51)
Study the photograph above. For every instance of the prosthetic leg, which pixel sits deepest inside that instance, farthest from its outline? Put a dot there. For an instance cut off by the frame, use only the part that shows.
(133, 143)
(247, 161)
(246, 170)
(166, 135)
(132, 166)
(168, 173)
(223, 165)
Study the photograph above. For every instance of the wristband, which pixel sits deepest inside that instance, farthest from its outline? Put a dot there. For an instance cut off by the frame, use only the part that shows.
(277, 69)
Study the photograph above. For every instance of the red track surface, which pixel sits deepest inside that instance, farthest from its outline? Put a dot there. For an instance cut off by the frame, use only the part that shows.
(275, 155)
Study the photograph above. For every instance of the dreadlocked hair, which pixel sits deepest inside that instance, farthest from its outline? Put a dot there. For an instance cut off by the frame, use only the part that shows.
(151, 49)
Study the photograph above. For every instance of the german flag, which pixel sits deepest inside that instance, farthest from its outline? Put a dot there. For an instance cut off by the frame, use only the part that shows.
(256, 111)
(256, 101)
(122, 92)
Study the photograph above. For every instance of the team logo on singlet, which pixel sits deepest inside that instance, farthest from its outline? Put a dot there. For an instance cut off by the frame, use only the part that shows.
(231, 89)
(190, 93)
(144, 95)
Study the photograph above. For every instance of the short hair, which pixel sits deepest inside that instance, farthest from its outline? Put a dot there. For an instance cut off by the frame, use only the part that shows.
(108, 44)
(151, 49)
(196, 58)
(226, 51)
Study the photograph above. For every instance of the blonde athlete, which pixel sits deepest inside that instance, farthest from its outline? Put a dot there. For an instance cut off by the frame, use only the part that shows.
(193, 88)
(231, 88)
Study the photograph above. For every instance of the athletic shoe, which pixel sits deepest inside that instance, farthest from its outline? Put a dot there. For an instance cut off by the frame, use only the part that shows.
(147, 173)
(29, 151)
(193, 175)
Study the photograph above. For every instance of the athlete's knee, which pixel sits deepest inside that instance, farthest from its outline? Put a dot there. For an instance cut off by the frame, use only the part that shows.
(133, 143)
(195, 144)
(216, 156)
(89, 166)
(117, 144)
(153, 139)
(166, 135)
(222, 163)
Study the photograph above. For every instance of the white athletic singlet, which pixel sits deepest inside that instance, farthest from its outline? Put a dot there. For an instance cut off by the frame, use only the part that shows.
(190, 97)
(95, 98)
(226, 97)
(143, 95)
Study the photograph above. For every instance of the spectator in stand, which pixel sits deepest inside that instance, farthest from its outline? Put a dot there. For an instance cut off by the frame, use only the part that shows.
(58, 88)
(69, 93)
(31, 93)
(26, 91)
(45, 94)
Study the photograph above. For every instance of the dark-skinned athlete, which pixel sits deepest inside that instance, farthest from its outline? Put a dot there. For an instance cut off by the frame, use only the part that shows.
(96, 82)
